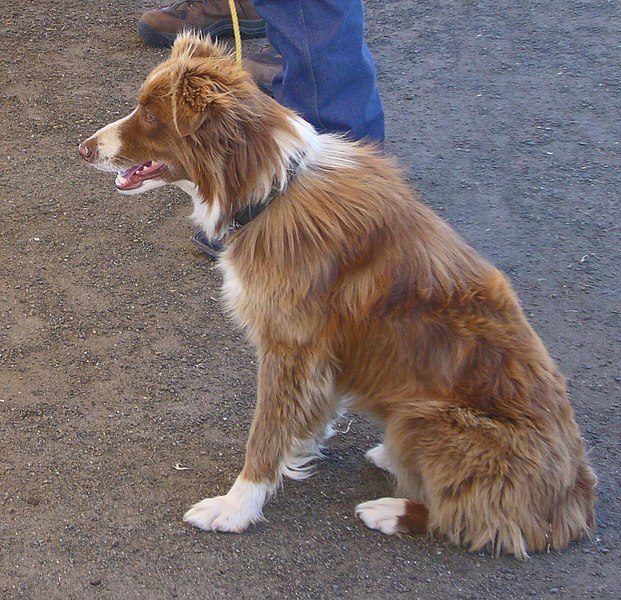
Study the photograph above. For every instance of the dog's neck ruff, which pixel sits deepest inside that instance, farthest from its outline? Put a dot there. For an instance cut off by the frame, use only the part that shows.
(254, 210)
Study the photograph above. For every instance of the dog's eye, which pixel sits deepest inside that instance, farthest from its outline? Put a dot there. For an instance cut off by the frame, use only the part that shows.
(149, 116)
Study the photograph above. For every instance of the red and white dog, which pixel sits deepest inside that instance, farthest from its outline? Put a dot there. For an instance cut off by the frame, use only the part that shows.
(354, 292)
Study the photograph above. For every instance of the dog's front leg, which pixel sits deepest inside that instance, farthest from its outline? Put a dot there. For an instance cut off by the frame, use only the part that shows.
(294, 406)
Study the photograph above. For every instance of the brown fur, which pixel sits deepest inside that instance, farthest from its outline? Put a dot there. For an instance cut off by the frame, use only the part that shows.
(350, 287)
(415, 519)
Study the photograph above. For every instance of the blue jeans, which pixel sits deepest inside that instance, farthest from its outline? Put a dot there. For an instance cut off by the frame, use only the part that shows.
(329, 76)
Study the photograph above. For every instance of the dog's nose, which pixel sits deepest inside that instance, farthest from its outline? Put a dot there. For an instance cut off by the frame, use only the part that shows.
(88, 151)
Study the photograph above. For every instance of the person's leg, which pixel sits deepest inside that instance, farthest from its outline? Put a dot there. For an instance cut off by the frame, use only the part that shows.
(329, 76)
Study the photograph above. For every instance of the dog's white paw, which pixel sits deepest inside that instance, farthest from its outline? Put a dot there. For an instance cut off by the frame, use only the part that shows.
(217, 514)
(382, 514)
(235, 511)
(379, 457)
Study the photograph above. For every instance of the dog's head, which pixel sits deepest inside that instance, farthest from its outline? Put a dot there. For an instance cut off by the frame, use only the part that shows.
(148, 147)
(196, 113)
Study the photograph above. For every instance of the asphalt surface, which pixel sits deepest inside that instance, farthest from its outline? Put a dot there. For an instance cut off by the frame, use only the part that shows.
(126, 394)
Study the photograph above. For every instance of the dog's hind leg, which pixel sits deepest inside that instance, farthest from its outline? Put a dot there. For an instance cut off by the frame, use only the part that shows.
(295, 404)
(487, 482)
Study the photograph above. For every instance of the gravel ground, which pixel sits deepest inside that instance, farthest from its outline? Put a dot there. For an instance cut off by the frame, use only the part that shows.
(117, 364)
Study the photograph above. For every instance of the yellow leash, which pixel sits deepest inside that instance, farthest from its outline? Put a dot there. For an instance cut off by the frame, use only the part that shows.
(238, 44)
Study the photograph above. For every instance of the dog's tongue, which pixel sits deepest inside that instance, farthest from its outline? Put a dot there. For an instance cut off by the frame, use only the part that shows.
(134, 176)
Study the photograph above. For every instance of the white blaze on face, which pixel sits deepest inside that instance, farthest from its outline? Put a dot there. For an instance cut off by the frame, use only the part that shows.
(109, 145)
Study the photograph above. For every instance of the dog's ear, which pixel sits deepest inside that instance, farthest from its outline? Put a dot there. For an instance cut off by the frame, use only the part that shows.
(197, 96)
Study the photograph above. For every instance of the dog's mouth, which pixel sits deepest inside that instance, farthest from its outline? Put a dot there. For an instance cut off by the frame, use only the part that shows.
(134, 177)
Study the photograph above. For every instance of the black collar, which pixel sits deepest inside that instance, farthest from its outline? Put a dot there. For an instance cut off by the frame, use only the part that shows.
(254, 210)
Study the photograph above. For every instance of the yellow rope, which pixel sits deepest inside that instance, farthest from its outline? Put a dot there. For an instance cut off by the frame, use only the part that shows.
(238, 45)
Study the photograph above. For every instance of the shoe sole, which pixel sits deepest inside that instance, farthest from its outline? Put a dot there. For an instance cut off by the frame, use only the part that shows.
(247, 29)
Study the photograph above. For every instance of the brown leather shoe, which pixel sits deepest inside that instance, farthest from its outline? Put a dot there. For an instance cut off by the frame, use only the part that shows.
(264, 66)
(160, 26)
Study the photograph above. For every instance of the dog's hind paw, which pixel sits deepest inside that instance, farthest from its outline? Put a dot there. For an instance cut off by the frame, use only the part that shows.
(382, 514)
(379, 457)
(233, 512)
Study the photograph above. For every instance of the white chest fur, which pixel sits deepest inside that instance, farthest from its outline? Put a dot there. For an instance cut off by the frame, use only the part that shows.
(205, 215)
(234, 293)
